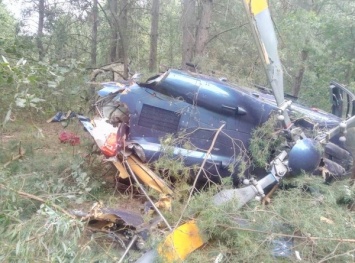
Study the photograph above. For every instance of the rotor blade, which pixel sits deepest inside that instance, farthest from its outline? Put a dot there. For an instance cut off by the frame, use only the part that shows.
(265, 38)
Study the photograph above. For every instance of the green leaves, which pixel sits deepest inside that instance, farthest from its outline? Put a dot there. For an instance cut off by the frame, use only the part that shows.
(24, 99)
(325, 30)
(33, 85)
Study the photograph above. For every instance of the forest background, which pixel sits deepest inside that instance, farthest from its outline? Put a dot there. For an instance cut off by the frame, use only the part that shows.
(59, 38)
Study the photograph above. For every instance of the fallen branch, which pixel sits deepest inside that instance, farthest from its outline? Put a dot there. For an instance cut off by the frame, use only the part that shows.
(21, 153)
(326, 259)
(224, 31)
(208, 153)
(133, 175)
(267, 199)
(346, 240)
(34, 197)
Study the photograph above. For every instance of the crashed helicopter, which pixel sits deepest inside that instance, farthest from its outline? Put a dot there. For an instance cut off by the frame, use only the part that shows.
(192, 106)
(217, 118)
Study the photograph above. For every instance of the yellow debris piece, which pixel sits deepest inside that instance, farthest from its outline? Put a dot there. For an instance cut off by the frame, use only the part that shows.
(123, 172)
(144, 173)
(147, 176)
(181, 242)
(257, 6)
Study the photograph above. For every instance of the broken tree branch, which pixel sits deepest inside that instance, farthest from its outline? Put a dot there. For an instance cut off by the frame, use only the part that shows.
(267, 199)
(346, 240)
(208, 153)
(225, 31)
(21, 153)
(326, 259)
(34, 197)
(129, 169)
(128, 248)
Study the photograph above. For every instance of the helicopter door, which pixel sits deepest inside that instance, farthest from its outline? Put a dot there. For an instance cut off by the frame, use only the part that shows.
(343, 101)
(343, 106)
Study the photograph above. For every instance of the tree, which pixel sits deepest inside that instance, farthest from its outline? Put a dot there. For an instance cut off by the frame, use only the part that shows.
(308, 6)
(94, 33)
(113, 6)
(188, 31)
(202, 31)
(299, 77)
(40, 29)
(154, 35)
(68, 31)
(322, 49)
(8, 27)
(119, 38)
(123, 33)
(195, 29)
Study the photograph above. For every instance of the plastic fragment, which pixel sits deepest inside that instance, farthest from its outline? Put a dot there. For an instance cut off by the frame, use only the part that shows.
(68, 137)
(282, 247)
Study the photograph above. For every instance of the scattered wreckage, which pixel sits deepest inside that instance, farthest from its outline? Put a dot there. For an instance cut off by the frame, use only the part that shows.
(214, 120)
(217, 118)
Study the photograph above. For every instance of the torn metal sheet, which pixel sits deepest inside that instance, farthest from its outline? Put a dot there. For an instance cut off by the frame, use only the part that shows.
(110, 215)
(148, 177)
(110, 87)
(62, 116)
(123, 226)
(129, 218)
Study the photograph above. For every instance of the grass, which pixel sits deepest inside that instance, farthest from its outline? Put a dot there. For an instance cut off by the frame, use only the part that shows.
(310, 215)
(313, 222)
(60, 175)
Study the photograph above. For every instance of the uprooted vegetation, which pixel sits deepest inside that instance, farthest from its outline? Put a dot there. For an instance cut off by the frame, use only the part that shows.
(310, 220)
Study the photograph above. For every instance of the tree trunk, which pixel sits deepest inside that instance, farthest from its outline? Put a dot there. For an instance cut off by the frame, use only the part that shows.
(154, 36)
(349, 69)
(298, 79)
(119, 43)
(188, 31)
(94, 34)
(202, 33)
(114, 35)
(122, 23)
(123, 34)
(40, 30)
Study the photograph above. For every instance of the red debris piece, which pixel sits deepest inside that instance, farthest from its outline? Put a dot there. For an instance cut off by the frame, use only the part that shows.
(68, 137)
(110, 147)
